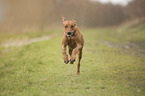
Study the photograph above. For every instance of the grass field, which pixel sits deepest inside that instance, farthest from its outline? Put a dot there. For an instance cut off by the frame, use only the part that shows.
(113, 64)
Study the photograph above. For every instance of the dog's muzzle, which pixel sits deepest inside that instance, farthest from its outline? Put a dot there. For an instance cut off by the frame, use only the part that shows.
(69, 33)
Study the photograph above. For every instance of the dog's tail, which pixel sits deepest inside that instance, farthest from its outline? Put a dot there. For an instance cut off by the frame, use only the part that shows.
(63, 19)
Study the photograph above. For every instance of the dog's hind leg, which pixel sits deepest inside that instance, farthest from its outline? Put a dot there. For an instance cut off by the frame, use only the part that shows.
(79, 60)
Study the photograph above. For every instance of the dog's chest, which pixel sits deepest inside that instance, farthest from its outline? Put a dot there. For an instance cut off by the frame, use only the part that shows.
(72, 43)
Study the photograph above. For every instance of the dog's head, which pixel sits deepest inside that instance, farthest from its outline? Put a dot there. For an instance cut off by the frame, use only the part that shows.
(69, 27)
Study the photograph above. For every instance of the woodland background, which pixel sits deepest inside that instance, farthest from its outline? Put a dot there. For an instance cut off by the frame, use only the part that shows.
(26, 15)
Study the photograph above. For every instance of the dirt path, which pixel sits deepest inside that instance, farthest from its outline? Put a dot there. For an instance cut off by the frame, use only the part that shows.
(26, 41)
(23, 42)
(130, 48)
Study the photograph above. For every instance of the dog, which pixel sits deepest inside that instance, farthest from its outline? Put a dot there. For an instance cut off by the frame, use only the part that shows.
(72, 38)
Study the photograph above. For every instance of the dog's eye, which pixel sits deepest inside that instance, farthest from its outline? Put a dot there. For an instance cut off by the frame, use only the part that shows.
(66, 26)
(72, 26)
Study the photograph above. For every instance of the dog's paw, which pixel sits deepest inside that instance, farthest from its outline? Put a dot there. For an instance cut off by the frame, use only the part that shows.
(78, 73)
(72, 61)
(66, 62)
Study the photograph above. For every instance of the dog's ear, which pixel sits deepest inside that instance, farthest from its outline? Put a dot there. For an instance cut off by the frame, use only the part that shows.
(63, 19)
(74, 21)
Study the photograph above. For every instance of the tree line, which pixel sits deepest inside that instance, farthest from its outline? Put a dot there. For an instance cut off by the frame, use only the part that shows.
(41, 14)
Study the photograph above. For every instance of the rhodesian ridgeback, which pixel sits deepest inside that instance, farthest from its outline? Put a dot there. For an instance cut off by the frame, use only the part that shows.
(72, 38)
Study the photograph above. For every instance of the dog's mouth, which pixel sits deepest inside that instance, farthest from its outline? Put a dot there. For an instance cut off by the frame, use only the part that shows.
(69, 34)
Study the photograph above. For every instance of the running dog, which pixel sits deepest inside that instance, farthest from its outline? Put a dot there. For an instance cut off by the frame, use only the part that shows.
(72, 38)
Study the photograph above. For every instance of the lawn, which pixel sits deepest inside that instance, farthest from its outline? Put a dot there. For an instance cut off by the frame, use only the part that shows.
(108, 67)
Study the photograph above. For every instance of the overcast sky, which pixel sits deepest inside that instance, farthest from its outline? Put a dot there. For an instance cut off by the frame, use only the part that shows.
(121, 2)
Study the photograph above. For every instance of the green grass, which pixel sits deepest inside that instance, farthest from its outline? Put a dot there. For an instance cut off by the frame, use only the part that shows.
(37, 69)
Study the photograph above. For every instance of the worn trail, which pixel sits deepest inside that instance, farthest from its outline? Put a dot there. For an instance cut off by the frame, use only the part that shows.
(26, 42)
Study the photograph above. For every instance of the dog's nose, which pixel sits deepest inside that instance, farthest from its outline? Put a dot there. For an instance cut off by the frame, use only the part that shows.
(68, 32)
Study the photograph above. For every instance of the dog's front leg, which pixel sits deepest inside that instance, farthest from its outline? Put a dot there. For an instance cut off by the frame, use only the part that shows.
(75, 51)
(65, 57)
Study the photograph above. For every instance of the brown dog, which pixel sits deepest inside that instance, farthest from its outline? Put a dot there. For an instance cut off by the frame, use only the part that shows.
(74, 39)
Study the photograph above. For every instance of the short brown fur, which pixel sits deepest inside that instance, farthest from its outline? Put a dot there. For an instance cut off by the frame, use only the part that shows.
(75, 42)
